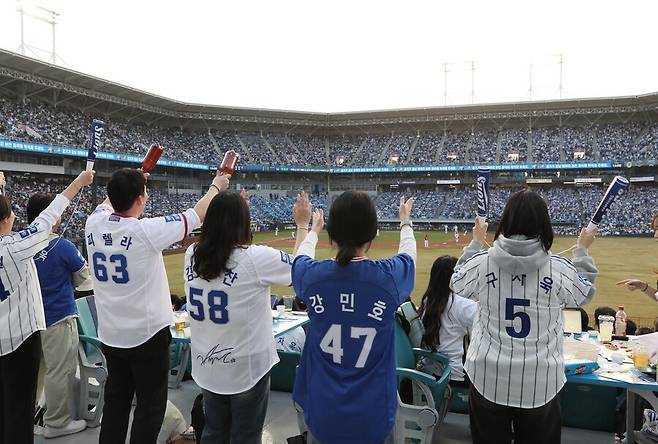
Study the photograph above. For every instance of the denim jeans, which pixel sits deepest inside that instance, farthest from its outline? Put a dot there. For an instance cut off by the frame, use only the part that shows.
(236, 418)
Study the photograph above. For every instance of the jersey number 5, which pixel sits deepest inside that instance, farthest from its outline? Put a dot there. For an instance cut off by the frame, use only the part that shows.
(217, 302)
(331, 343)
(510, 315)
(120, 274)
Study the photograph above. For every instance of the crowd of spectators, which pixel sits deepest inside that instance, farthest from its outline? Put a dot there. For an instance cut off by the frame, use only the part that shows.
(39, 122)
(546, 145)
(426, 150)
(483, 149)
(569, 207)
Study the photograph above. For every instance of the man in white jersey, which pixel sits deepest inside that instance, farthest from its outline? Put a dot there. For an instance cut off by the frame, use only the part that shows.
(133, 301)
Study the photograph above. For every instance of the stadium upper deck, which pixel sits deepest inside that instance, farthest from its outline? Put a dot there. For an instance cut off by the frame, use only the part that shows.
(49, 105)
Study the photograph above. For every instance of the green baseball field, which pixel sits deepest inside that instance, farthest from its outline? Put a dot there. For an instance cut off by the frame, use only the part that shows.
(616, 257)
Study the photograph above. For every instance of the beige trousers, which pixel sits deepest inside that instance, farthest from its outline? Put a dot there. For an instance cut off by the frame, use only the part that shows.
(59, 362)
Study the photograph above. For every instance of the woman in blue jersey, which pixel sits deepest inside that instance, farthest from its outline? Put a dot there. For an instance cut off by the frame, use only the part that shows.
(447, 319)
(346, 383)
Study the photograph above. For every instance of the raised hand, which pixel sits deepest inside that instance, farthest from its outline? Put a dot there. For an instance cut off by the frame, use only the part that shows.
(405, 209)
(318, 220)
(85, 178)
(586, 238)
(301, 210)
(221, 181)
(480, 230)
(634, 284)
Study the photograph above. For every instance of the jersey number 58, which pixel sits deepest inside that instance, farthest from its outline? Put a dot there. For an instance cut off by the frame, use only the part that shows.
(217, 302)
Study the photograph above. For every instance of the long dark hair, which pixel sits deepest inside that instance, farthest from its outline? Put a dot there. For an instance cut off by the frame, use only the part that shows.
(526, 213)
(5, 207)
(352, 222)
(435, 299)
(227, 225)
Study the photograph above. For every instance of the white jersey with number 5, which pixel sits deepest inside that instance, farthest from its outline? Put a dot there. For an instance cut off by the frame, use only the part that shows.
(515, 357)
(130, 282)
(231, 318)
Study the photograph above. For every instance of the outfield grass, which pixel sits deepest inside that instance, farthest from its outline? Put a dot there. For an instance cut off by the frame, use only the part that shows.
(616, 257)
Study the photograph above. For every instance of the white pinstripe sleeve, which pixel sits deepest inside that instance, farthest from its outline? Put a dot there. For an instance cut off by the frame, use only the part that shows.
(577, 278)
(25, 244)
(464, 280)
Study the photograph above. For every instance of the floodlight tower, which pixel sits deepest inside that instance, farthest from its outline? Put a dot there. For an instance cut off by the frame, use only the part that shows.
(27, 8)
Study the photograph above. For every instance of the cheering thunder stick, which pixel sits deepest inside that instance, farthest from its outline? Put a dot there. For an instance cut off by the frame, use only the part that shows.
(151, 158)
(95, 141)
(616, 188)
(483, 179)
(229, 162)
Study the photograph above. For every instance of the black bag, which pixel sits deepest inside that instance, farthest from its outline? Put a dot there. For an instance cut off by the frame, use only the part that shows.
(198, 417)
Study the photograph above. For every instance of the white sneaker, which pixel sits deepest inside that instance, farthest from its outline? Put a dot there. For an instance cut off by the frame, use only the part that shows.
(69, 429)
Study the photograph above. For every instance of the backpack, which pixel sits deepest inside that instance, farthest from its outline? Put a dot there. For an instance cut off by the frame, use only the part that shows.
(411, 323)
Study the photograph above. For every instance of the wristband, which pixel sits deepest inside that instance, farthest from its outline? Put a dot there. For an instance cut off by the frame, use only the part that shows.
(216, 187)
(302, 228)
(406, 224)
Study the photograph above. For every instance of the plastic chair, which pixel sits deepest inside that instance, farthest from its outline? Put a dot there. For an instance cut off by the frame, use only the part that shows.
(93, 367)
(180, 363)
(283, 373)
(406, 314)
(417, 421)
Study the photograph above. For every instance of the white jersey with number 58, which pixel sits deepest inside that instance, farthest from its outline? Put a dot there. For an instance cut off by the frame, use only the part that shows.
(231, 318)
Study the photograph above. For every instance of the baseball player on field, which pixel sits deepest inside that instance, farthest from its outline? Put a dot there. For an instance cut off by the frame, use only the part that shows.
(21, 311)
(133, 300)
(515, 359)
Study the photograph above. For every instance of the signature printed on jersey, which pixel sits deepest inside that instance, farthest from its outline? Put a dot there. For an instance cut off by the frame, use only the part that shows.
(214, 355)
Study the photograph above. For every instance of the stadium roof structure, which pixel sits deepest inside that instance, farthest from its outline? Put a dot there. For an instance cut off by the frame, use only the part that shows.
(24, 77)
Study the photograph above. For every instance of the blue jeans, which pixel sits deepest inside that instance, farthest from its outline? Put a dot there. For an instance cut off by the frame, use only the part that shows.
(236, 418)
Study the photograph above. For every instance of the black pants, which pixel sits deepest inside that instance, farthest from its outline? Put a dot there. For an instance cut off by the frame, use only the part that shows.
(141, 370)
(492, 423)
(18, 391)
(236, 418)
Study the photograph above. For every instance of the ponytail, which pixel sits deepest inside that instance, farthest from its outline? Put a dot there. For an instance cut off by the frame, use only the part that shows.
(345, 254)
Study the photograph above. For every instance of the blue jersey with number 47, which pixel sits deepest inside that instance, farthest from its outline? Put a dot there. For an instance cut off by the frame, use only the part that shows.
(346, 382)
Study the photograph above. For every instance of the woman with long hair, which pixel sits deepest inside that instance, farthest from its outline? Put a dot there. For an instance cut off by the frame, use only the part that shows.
(447, 319)
(227, 281)
(346, 382)
(515, 360)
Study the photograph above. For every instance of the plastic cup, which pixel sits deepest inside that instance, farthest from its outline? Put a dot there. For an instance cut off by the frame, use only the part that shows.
(606, 326)
(287, 302)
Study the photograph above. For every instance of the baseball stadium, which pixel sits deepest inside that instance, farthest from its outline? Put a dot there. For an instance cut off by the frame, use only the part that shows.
(568, 151)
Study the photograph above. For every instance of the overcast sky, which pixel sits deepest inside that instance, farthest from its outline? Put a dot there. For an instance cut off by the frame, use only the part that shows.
(349, 55)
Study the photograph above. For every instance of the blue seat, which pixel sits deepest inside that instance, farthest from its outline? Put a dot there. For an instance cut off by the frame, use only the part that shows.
(588, 407)
(283, 373)
(430, 395)
(93, 367)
